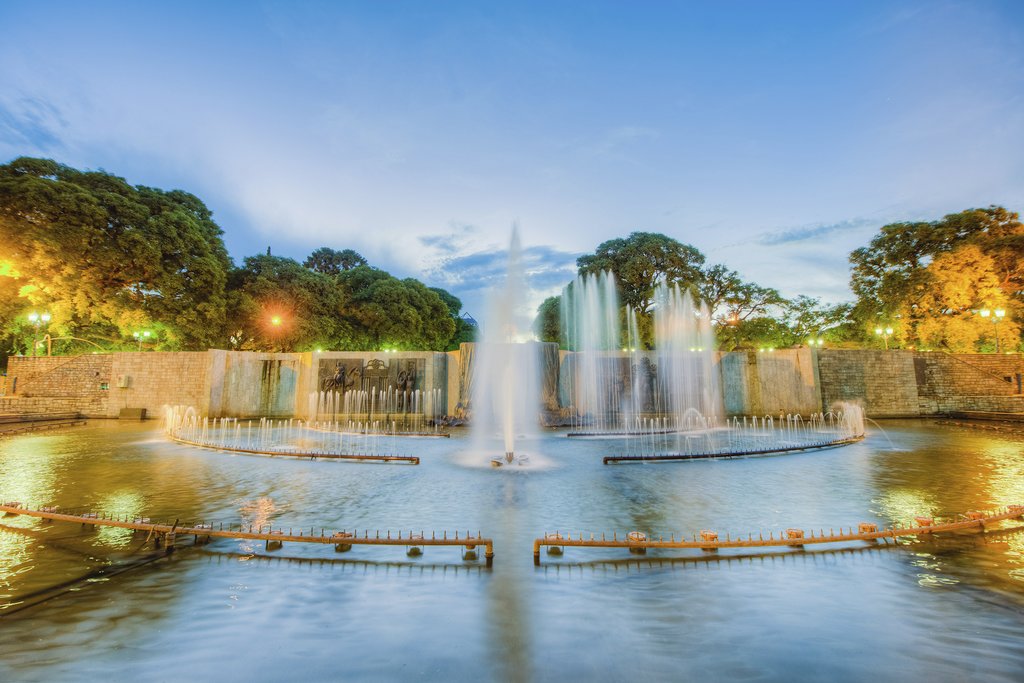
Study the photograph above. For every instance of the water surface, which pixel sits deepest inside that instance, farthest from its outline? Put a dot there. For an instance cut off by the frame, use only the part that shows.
(949, 608)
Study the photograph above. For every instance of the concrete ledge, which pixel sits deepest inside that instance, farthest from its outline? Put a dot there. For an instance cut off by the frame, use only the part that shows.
(132, 414)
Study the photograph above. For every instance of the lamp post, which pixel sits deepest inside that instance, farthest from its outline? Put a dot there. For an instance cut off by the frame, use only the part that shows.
(884, 334)
(275, 328)
(139, 336)
(996, 315)
(37, 320)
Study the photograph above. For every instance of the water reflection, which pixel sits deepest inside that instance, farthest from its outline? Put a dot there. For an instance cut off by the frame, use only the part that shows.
(127, 503)
(900, 506)
(589, 615)
(28, 469)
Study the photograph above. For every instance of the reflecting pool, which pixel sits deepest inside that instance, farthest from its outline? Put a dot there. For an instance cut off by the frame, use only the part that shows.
(946, 608)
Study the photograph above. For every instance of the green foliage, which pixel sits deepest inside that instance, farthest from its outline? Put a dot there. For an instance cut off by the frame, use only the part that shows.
(453, 302)
(548, 323)
(385, 312)
(642, 261)
(809, 318)
(331, 262)
(464, 330)
(106, 258)
(927, 280)
(279, 305)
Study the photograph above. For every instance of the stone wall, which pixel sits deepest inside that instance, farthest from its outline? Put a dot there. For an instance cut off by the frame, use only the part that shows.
(61, 384)
(241, 384)
(152, 380)
(906, 383)
(769, 383)
(884, 382)
(963, 382)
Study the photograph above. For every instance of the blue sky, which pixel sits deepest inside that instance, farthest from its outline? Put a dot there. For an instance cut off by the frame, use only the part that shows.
(774, 136)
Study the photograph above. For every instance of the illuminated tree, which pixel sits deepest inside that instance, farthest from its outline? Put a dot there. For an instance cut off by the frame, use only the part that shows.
(899, 278)
(957, 284)
(107, 258)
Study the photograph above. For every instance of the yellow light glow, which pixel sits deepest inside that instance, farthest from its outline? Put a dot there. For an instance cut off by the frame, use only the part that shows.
(902, 505)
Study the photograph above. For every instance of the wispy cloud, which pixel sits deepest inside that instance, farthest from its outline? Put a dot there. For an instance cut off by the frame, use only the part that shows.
(472, 273)
(545, 267)
(32, 122)
(812, 232)
(450, 243)
(616, 143)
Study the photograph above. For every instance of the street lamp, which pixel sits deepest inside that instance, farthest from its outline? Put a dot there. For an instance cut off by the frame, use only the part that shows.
(996, 315)
(37, 320)
(139, 336)
(274, 329)
(884, 334)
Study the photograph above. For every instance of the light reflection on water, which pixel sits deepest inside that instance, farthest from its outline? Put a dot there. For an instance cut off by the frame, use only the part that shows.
(930, 609)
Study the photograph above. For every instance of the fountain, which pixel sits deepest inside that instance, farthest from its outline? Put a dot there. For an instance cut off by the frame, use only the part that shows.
(590, 328)
(667, 402)
(685, 344)
(613, 393)
(406, 412)
(661, 403)
(266, 436)
(505, 386)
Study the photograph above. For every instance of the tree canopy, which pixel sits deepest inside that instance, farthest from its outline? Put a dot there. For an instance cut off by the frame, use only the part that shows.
(331, 262)
(929, 280)
(107, 258)
(641, 262)
(644, 260)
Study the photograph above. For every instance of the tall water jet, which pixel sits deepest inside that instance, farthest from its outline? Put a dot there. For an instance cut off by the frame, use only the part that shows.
(590, 327)
(623, 388)
(505, 393)
(689, 388)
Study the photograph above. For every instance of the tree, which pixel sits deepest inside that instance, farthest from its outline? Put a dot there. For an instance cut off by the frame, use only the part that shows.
(642, 261)
(717, 284)
(330, 262)
(958, 284)
(808, 318)
(464, 330)
(384, 311)
(897, 282)
(107, 258)
(279, 305)
(746, 302)
(548, 323)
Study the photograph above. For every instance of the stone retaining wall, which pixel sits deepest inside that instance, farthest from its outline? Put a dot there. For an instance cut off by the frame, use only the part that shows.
(60, 381)
(893, 383)
(768, 383)
(882, 381)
